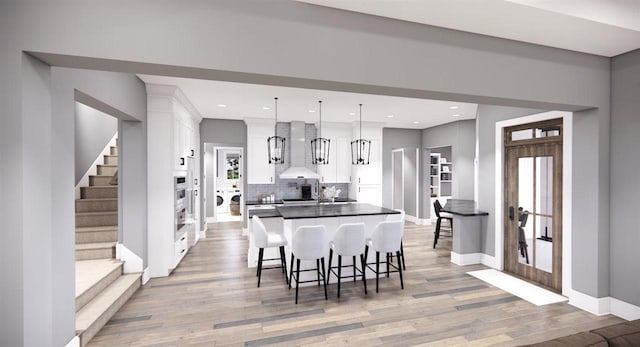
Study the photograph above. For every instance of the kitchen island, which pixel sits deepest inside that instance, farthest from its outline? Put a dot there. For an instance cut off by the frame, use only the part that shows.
(468, 222)
(286, 219)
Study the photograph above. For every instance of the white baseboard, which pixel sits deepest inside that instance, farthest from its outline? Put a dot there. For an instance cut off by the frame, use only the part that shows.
(417, 221)
(145, 276)
(211, 219)
(597, 306)
(132, 262)
(624, 310)
(466, 259)
(489, 261)
(203, 232)
(75, 342)
(245, 231)
(93, 169)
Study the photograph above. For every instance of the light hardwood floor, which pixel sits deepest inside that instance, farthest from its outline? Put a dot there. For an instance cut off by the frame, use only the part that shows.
(212, 300)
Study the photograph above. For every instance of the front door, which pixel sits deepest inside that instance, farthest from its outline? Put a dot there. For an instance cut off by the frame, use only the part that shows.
(533, 202)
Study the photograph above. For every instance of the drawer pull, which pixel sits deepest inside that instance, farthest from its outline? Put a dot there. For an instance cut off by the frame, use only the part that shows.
(182, 239)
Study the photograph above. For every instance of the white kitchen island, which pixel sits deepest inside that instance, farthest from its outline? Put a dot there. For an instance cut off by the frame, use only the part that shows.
(286, 219)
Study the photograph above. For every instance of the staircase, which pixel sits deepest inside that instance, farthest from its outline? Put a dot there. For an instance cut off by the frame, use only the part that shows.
(101, 286)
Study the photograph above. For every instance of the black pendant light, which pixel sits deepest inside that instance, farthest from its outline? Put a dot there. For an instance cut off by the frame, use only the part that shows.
(276, 143)
(320, 145)
(360, 148)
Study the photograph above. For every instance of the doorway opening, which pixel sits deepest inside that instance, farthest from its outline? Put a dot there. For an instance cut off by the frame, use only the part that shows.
(533, 202)
(224, 183)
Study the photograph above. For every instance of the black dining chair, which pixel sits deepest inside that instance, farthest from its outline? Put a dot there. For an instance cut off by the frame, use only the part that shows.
(441, 215)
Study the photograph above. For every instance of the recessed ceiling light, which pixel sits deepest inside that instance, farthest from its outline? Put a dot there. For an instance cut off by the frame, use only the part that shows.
(390, 116)
(455, 115)
(454, 107)
(352, 113)
(312, 111)
(416, 122)
(222, 105)
(266, 108)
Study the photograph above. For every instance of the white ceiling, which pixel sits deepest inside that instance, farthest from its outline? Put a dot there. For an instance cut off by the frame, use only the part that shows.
(601, 27)
(249, 100)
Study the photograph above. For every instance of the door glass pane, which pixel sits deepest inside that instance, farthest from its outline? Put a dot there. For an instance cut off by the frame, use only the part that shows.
(544, 185)
(544, 243)
(522, 134)
(525, 207)
(548, 131)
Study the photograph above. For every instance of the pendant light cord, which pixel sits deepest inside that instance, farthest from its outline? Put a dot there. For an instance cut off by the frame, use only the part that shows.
(361, 121)
(320, 132)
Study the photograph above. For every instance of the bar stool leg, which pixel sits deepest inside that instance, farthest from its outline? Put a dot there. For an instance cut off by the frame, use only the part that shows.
(404, 266)
(283, 260)
(354, 269)
(318, 270)
(330, 259)
(297, 278)
(260, 255)
(435, 238)
(364, 271)
(400, 272)
(339, 272)
(323, 277)
(291, 270)
(388, 258)
(377, 269)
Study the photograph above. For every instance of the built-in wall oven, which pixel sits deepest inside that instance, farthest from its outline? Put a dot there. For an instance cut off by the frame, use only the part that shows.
(181, 201)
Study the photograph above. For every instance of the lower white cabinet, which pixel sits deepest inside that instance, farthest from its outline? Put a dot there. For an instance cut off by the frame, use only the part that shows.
(180, 249)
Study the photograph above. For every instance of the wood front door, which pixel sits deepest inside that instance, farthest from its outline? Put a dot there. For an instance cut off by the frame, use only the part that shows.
(533, 202)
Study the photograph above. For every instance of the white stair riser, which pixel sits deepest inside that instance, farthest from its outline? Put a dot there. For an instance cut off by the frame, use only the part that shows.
(106, 170)
(97, 236)
(101, 253)
(114, 150)
(98, 192)
(110, 160)
(92, 292)
(97, 220)
(110, 205)
(100, 180)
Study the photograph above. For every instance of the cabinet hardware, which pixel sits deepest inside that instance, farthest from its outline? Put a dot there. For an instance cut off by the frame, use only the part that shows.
(182, 239)
(358, 179)
(511, 213)
(358, 189)
(193, 153)
(195, 192)
(182, 251)
(182, 161)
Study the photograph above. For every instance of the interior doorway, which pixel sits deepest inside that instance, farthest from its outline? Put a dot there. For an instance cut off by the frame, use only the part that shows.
(224, 183)
(533, 202)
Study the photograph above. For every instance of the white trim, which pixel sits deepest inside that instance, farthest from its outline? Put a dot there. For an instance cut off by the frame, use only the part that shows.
(624, 310)
(145, 276)
(418, 193)
(567, 160)
(212, 219)
(203, 232)
(245, 231)
(418, 221)
(393, 179)
(93, 169)
(488, 261)
(132, 262)
(597, 306)
(466, 259)
(75, 342)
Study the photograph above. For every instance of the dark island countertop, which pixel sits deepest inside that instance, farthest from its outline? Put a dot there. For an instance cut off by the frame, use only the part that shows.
(321, 211)
(465, 208)
(279, 202)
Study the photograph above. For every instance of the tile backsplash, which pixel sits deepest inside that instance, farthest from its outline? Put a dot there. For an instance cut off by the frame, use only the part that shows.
(290, 188)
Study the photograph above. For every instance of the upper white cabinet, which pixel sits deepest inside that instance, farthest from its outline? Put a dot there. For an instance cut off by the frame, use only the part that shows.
(372, 173)
(259, 171)
(339, 168)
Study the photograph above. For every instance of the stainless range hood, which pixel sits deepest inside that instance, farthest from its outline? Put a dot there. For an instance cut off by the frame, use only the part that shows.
(297, 148)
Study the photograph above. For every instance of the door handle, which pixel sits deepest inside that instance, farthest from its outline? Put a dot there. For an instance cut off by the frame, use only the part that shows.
(511, 212)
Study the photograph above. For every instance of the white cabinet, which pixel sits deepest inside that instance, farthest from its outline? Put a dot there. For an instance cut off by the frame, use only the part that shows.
(185, 140)
(339, 168)
(366, 180)
(370, 194)
(259, 171)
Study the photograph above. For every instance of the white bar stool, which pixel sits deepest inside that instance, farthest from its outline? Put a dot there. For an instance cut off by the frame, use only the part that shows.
(262, 239)
(349, 242)
(386, 238)
(309, 243)
(395, 217)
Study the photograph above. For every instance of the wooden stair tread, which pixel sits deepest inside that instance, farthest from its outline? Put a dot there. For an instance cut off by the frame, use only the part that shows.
(97, 228)
(101, 304)
(94, 245)
(90, 272)
(99, 213)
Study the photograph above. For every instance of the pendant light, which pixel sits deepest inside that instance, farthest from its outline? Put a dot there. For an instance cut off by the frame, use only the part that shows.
(320, 145)
(276, 143)
(360, 148)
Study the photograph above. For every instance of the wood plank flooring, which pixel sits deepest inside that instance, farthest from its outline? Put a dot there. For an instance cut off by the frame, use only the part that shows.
(212, 300)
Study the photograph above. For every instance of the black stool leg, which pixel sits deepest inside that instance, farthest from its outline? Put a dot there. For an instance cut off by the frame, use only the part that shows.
(404, 266)
(364, 271)
(318, 270)
(324, 275)
(400, 272)
(283, 260)
(330, 259)
(354, 269)
(260, 255)
(297, 278)
(339, 272)
(377, 269)
(435, 238)
(291, 270)
(388, 257)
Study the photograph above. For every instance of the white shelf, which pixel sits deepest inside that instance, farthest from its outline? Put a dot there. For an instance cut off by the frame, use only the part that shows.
(445, 181)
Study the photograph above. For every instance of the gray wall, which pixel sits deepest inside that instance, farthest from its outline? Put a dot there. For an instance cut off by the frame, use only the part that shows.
(411, 173)
(460, 136)
(393, 138)
(221, 132)
(625, 163)
(94, 130)
(503, 72)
